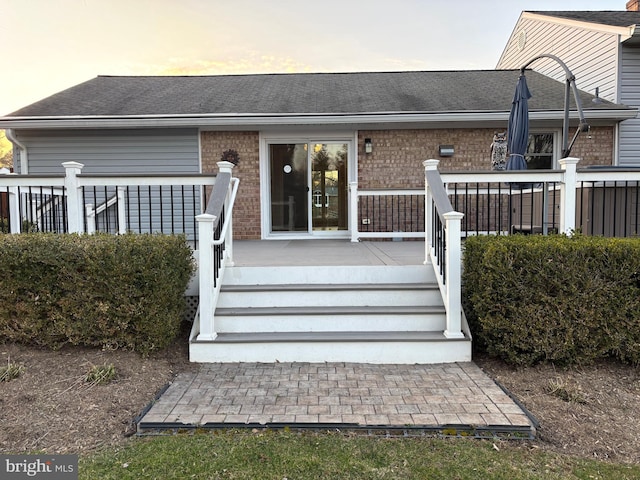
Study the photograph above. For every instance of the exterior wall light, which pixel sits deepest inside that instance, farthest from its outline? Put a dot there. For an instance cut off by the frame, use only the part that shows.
(445, 150)
(368, 146)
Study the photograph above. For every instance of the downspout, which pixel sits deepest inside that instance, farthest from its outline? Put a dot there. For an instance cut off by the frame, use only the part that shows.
(24, 164)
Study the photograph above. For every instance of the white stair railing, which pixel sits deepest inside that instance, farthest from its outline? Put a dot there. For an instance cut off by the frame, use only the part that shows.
(215, 230)
(443, 247)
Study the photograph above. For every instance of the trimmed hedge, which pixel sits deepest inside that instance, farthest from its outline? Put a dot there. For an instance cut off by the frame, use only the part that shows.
(112, 291)
(568, 300)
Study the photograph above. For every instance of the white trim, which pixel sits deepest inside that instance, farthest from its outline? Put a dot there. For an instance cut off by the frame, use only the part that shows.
(624, 32)
(266, 138)
(250, 120)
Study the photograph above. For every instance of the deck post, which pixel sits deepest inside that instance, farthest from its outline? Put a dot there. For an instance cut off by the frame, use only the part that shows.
(206, 275)
(568, 195)
(453, 298)
(75, 208)
(122, 214)
(90, 215)
(15, 224)
(353, 211)
(428, 210)
(227, 167)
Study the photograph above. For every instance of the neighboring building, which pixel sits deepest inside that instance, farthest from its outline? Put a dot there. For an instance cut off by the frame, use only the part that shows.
(302, 138)
(602, 50)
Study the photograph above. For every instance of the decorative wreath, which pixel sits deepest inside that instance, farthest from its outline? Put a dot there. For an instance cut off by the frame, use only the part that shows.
(230, 156)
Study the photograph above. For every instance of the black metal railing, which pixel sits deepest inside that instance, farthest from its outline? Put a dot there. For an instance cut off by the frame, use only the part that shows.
(439, 242)
(112, 204)
(169, 209)
(37, 209)
(609, 208)
(216, 206)
(383, 212)
(500, 208)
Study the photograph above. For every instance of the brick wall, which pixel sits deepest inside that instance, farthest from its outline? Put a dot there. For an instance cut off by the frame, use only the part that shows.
(246, 225)
(396, 160)
(595, 147)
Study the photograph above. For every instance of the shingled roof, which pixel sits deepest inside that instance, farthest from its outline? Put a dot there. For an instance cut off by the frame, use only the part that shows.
(606, 17)
(317, 93)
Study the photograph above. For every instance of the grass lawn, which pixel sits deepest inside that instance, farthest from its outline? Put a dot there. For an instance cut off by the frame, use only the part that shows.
(289, 455)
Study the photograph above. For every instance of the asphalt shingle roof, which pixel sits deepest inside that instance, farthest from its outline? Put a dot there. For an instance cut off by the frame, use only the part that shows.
(330, 93)
(606, 17)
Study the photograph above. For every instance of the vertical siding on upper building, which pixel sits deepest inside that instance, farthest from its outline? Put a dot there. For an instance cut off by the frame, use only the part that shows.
(590, 55)
(630, 95)
(113, 151)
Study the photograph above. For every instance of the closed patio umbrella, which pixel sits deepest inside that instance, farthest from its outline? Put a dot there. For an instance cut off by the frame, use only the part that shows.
(518, 129)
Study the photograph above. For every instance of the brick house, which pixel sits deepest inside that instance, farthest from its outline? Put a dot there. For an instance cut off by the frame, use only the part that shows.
(301, 138)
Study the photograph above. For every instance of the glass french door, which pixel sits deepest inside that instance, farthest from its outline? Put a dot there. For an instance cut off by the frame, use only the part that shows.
(309, 187)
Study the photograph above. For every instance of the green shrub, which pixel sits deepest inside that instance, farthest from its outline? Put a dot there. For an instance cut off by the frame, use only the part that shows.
(563, 299)
(112, 291)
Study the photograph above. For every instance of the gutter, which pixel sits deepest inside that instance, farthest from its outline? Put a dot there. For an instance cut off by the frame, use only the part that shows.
(24, 156)
(257, 120)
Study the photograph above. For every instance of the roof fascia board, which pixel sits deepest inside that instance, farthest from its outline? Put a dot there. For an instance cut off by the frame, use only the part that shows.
(276, 120)
(625, 33)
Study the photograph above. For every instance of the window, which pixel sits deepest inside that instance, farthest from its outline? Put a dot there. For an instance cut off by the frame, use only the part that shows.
(539, 154)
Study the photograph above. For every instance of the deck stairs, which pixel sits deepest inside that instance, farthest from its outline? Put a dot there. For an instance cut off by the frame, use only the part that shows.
(363, 314)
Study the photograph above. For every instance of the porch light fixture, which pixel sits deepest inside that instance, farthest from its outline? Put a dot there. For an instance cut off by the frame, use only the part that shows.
(445, 150)
(368, 146)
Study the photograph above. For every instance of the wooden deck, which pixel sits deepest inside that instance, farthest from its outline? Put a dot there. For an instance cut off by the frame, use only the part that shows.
(326, 252)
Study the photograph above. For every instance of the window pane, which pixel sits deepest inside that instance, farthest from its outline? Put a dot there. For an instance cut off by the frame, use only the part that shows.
(540, 151)
(288, 187)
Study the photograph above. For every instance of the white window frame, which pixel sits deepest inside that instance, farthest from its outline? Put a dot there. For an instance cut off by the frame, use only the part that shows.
(267, 138)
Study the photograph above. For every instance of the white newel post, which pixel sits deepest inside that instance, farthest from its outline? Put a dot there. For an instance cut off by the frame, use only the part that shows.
(353, 211)
(454, 275)
(227, 167)
(15, 224)
(122, 213)
(75, 208)
(428, 210)
(568, 195)
(206, 276)
(90, 215)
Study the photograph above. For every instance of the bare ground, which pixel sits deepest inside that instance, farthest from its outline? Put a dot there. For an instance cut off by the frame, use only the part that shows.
(591, 412)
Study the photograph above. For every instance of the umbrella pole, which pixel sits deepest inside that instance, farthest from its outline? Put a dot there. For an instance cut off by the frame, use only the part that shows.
(565, 125)
(571, 84)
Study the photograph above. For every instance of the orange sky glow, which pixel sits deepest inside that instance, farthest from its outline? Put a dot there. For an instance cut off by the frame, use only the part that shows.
(49, 45)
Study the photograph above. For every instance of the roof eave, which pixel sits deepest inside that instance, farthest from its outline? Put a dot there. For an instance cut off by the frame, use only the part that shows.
(625, 32)
(258, 120)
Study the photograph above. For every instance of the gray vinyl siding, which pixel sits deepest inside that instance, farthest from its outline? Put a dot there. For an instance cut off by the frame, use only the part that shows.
(630, 95)
(149, 209)
(591, 55)
(113, 151)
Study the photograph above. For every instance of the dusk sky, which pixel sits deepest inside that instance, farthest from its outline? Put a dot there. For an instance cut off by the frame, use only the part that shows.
(50, 45)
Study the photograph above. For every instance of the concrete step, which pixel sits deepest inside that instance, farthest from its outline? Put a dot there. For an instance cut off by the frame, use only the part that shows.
(324, 295)
(336, 318)
(362, 347)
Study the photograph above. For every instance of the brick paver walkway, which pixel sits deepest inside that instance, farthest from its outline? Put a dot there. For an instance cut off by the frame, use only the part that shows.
(336, 394)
